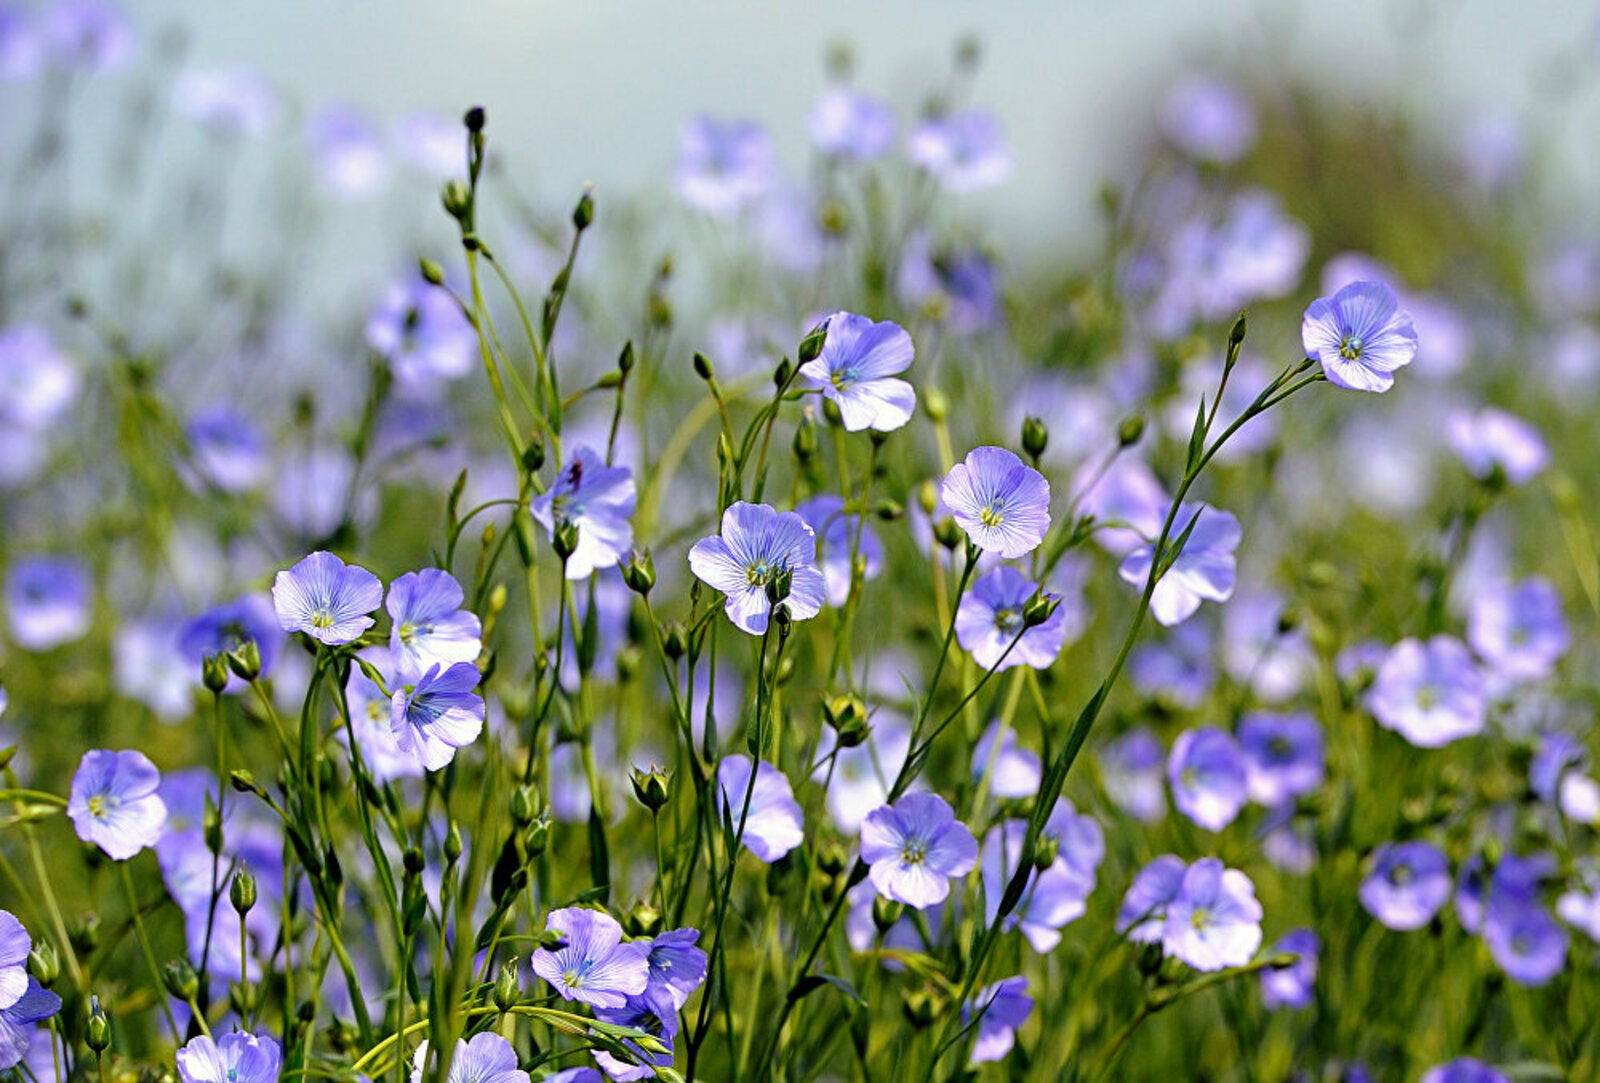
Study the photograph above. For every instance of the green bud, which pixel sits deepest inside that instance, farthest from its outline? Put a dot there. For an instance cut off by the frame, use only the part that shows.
(927, 497)
(1236, 336)
(652, 1045)
(782, 374)
(653, 788)
(830, 411)
(779, 585)
(244, 781)
(920, 1008)
(1131, 431)
(583, 213)
(211, 826)
(457, 200)
(811, 346)
(537, 836)
(888, 510)
(85, 935)
(241, 998)
(947, 534)
(523, 800)
(1035, 436)
(180, 979)
(885, 913)
(565, 539)
(98, 1035)
(242, 892)
(702, 367)
(245, 660)
(642, 920)
(214, 673)
(639, 572)
(44, 963)
(1046, 851)
(552, 940)
(783, 621)
(452, 843)
(533, 455)
(805, 438)
(1039, 608)
(507, 988)
(432, 273)
(674, 639)
(413, 862)
(935, 405)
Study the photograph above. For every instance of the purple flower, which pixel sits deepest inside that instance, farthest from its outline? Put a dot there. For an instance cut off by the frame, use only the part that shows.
(990, 619)
(1207, 118)
(1204, 570)
(773, 825)
(1176, 670)
(1132, 766)
(428, 626)
(227, 627)
(1282, 756)
(1492, 440)
(240, 1057)
(89, 35)
(487, 1058)
(347, 151)
(228, 449)
(1013, 771)
(758, 546)
(594, 967)
(372, 719)
(1127, 498)
(966, 151)
(227, 101)
(956, 285)
(1001, 503)
(724, 165)
(114, 803)
(326, 599)
(432, 143)
(840, 538)
(1525, 940)
(1001, 1008)
(848, 124)
(49, 600)
(36, 1003)
(1463, 1070)
(21, 51)
(1142, 917)
(1208, 777)
(598, 500)
(915, 847)
(438, 714)
(1430, 693)
(37, 380)
(655, 1017)
(1214, 921)
(856, 369)
(1055, 897)
(677, 967)
(1293, 985)
(1360, 336)
(1518, 629)
(14, 947)
(1408, 884)
(423, 334)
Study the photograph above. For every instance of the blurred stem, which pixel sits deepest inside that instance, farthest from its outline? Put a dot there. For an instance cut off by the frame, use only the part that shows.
(149, 952)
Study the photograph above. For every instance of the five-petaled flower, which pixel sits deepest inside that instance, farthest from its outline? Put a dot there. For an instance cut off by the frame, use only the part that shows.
(1360, 336)
(114, 803)
(759, 548)
(1002, 503)
(326, 599)
(594, 966)
(856, 369)
(915, 847)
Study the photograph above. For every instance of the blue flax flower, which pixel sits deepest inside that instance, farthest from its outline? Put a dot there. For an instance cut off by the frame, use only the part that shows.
(1207, 773)
(240, 1057)
(595, 966)
(1430, 693)
(1001, 1008)
(848, 124)
(1282, 756)
(772, 824)
(14, 947)
(915, 847)
(653, 1015)
(114, 803)
(229, 626)
(1408, 884)
(428, 625)
(326, 599)
(1214, 921)
(49, 600)
(1142, 916)
(438, 714)
(598, 500)
(1525, 940)
(1518, 629)
(1360, 336)
(1492, 440)
(487, 1058)
(757, 546)
(965, 151)
(857, 369)
(1464, 1070)
(990, 618)
(1204, 570)
(35, 1003)
(724, 165)
(837, 534)
(677, 967)
(1292, 986)
(1002, 503)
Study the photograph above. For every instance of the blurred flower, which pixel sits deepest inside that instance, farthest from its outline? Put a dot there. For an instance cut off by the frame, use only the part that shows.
(35, 1004)
(1209, 119)
(772, 824)
(114, 803)
(149, 665)
(598, 500)
(427, 624)
(1518, 630)
(915, 847)
(1492, 149)
(758, 547)
(227, 101)
(991, 618)
(1207, 773)
(1360, 336)
(1430, 693)
(21, 50)
(14, 947)
(1214, 921)
(347, 151)
(1292, 986)
(1264, 649)
(1000, 1009)
(227, 448)
(840, 538)
(964, 151)
(1463, 1070)
(856, 369)
(326, 599)
(1054, 897)
(1282, 756)
(433, 143)
(1407, 884)
(38, 383)
(1525, 940)
(956, 286)
(1132, 766)
(440, 713)
(1142, 916)
(1013, 771)
(225, 628)
(423, 334)
(239, 1057)
(595, 967)
(1126, 500)
(49, 601)
(1002, 504)
(1491, 440)
(1203, 570)
(848, 124)
(862, 775)
(90, 35)
(724, 165)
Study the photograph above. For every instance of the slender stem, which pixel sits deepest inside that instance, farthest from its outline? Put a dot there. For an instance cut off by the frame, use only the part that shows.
(149, 952)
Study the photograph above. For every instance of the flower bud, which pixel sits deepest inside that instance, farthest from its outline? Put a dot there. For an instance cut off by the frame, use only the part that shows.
(1039, 608)
(523, 800)
(214, 673)
(783, 621)
(920, 1008)
(702, 367)
(413, 862)
(457, 200)
(1131, 431)
(211, 826)
(242, 892)
(452, 843)
(811, 345)
(947, 534)
(1035, 436)
(832, 858)
(639, 572)
(1236, 336)
(652, 1045)
(245, 660)
(1045, 852)
(565, 539)
(432, 273)
(674, 639)
(474, 119)
(805, 438)
(507, 987)
(642, 919)
(98, 1034)
(552, 940)
(935, 405)
(885, 913)
(653, 788)
(85, 936)
(782, 374)
(888, 510)
(779, 584)
(244, 781)
(44, 963)
(180, 979)
(537, 836)
(927, 497)
(583, 213)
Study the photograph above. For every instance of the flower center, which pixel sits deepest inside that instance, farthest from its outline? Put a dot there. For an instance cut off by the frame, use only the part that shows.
(322, 617)
(843, 378)
(1008, 620)
(1427, 697)
(1350, 348)
(992, 514)
(759, 573)
(1200, 918)
(1400, 875)
(101, 804)
(915, 852)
